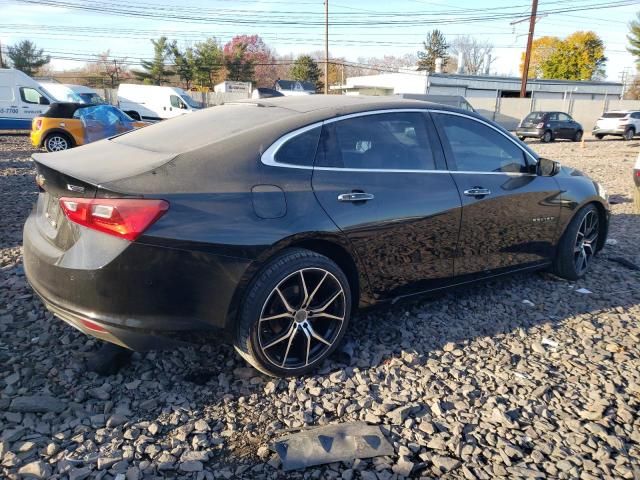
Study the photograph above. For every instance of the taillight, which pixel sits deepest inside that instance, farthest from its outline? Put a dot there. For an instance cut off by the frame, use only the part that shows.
(540, 125)
(122, 217)
(37, 124)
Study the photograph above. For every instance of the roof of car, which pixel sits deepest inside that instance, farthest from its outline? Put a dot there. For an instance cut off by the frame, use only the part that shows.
(64, 109)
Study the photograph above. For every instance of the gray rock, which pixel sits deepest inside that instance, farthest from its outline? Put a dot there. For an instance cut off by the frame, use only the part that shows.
(444, 464)
(37, 404)
(191, 466)
(79, 473)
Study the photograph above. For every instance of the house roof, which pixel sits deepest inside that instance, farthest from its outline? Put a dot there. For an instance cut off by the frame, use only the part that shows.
(291, 85)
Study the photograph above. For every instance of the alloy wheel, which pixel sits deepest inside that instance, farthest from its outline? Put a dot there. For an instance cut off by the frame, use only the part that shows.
(57, 143)
(301, 318)
(586, 241)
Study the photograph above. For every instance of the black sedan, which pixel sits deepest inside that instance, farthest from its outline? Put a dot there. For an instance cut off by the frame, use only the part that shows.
(549, 126)
(268, 222)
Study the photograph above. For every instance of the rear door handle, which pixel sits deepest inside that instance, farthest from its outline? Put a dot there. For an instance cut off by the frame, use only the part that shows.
(355, 197)
(477, 192)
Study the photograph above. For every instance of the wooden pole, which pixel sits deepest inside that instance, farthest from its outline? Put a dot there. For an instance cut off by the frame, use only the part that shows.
(527, 55)
(326, 47)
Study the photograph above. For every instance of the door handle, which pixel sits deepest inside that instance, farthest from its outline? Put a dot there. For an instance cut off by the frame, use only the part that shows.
(477, 192)
(355, 197)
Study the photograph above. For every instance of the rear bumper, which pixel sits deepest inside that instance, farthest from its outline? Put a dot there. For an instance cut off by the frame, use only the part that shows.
(609, 131)
(138, 296)
(529, 132)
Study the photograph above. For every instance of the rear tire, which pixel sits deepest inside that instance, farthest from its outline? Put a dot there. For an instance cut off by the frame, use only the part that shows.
(294, 314)
(522, 138)
(578, 136)
(547, 137)
(57, 142)
(579, 244)
(599, 136)
(629, 133)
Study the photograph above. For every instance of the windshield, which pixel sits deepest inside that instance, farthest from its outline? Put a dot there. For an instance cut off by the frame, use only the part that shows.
(190, 101)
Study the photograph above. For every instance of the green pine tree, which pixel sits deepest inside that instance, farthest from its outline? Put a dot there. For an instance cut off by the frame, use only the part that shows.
(156, 71)
(26, 57)
(435, 46)
(634, 38)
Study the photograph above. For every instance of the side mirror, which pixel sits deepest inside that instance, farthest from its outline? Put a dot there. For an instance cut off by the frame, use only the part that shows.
(548, 168)
(43, 101)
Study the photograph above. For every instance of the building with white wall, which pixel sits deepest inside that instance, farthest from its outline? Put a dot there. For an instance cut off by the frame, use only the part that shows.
(476, 86)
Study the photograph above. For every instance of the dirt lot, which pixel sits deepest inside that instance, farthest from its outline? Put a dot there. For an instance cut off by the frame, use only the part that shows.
(474, 384)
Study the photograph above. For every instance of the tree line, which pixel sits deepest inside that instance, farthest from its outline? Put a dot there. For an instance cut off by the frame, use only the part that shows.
(247, 58)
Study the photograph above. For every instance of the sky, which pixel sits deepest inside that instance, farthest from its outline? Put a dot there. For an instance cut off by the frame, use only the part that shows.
(358, 28)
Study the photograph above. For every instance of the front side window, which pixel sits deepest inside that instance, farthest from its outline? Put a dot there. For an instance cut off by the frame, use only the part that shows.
(386, 141)
(299, 150)
(476, 147)
(563, 117)
(175, 101)
(31, 95)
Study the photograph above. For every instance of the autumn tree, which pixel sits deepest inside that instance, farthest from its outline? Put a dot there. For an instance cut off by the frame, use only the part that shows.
(541, 50)
(239, 67)
(634, 38)
(255, 53)
(26, 57)
(580, 56)
(476, 54)
(156, 71)
(435, 46)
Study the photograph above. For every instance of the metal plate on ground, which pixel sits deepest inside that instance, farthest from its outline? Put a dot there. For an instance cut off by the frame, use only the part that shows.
(332, 443)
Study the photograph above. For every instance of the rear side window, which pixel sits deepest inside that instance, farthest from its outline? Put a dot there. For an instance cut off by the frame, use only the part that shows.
(475, 147)
(534, 117)
(387, 141)
(614, 115)
(299, 150)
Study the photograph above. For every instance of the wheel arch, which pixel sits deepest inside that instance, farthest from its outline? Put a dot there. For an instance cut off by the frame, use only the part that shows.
(334, 247)
(60, 131)
(603, 216)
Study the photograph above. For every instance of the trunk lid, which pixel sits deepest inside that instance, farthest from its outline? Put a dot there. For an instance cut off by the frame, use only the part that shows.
(82, 172)
(611, 120)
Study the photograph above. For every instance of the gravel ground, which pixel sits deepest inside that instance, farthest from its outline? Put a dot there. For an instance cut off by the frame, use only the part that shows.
(472, 384)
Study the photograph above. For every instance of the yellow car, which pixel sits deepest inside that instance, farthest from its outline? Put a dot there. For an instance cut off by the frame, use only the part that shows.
(67, 125)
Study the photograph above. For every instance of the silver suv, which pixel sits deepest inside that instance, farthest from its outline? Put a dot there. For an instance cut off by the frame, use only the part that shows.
(623, 123)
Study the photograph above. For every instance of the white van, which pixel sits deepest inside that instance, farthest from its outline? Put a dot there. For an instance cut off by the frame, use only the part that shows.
(150, 102)
(89, 95)
(21, 99)
(61, 92)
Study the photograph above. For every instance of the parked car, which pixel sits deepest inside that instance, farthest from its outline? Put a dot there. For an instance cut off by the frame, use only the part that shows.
(88, 95)
(21, 99)
(153, 103)
(549, 126)
(67, 125)
(625, 124)
(270, 229)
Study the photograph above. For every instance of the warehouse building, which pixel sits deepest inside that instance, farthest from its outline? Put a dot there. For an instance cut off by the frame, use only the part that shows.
(476, 86)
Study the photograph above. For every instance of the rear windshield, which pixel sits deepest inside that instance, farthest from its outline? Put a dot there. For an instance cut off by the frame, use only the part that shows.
(202, 127)
(534, 117)
(614, 115)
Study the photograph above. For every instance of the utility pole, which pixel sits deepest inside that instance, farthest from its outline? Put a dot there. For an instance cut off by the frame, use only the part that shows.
(527, 55)
(326, 47)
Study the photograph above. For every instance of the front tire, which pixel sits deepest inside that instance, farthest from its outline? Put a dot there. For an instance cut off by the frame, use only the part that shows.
(578, 244)
(57, 142)
(599, 136)
(294, 314)
(547, 137)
